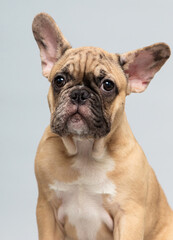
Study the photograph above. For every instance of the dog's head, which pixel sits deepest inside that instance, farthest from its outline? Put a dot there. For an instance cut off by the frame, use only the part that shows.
(88, 85)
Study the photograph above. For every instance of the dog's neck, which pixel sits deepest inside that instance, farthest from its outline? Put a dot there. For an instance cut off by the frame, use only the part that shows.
(83, 147)
(96, 149)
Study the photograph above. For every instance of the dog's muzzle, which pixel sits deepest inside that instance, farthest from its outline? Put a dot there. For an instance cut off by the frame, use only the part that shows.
(79, 112)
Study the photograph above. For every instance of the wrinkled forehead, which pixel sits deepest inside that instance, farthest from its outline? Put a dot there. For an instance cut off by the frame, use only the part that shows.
(83, 61)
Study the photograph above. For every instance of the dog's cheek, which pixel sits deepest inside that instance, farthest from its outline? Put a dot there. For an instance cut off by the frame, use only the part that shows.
(51, 100)
(57, 124)
(63, 110)
(99, 122)
(116, 111)
(59, 117)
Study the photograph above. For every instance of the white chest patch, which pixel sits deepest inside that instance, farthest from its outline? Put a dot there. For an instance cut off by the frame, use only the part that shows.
(82, 199)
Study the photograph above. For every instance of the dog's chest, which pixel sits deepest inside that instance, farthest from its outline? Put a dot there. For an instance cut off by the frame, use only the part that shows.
(82, 204)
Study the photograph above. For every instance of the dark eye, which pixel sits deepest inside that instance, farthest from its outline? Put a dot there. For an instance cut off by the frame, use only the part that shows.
(107, 85)
(59, 81)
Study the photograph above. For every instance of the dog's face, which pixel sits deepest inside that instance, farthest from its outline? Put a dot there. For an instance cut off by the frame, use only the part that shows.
(88, 85)
(84, 88)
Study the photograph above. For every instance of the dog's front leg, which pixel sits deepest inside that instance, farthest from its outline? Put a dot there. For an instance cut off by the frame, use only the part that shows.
(130, 226)
(48, 228)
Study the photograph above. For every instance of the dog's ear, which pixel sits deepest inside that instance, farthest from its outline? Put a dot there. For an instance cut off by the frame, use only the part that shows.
(50, 40)
(141, 65)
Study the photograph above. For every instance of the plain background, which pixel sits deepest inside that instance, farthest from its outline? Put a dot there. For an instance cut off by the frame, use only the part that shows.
(116, 26)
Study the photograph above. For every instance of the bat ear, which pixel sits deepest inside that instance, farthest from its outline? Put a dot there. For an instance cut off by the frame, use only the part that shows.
(141, 65)
(50, 40)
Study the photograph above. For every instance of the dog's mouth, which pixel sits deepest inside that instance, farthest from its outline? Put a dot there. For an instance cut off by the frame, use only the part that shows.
(77, 124)
(81, 120)
(76, 118)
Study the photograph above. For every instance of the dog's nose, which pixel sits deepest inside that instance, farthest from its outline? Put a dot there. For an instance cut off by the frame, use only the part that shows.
(79, 96)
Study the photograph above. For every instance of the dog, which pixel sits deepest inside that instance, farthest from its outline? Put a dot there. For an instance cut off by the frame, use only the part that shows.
(94, 180)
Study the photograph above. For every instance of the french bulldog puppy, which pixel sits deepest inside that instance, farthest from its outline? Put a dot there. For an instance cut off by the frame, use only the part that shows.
(94, 180)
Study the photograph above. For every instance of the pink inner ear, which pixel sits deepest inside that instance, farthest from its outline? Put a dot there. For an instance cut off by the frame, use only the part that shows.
(141, 71)
(48, 53)
(47, 63)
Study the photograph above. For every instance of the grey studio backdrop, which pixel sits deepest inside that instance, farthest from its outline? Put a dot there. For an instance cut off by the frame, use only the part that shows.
(116, 26)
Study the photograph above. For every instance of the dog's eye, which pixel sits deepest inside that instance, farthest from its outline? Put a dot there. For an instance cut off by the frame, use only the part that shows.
(59, 81)
(107, 85)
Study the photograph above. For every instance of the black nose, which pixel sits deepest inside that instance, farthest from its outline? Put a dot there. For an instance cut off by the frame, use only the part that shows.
(79, 96)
